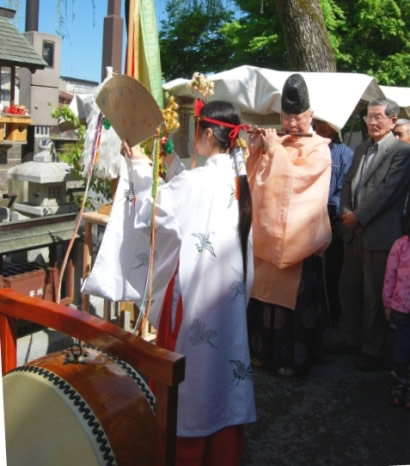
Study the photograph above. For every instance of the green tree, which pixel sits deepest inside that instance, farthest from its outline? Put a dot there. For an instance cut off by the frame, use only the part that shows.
(206, 35)
(190, 40)
(212, 38)
(71, 153)
(255, 37)
(366, 36)
(306, 37)
(371, 37)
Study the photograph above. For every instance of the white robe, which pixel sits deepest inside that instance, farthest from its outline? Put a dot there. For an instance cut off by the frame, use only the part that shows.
(196, 226)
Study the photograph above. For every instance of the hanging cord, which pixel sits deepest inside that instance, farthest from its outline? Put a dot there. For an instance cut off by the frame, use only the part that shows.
(148, 289)
(197, 120)
(94, 159)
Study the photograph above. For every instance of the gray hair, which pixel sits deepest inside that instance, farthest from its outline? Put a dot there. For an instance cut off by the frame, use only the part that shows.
(403, 122)
(391, 107)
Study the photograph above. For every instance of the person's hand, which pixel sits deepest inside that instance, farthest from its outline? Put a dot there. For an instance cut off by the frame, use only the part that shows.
(133, 153)
(387, 313)
(351, 222)
(271, 138)
(264, 139)
(255, 141)
(126, 150)
(168, 158)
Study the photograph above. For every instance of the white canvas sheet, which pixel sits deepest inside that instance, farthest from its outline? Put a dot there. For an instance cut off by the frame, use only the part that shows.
(401, 95)
(333, 96)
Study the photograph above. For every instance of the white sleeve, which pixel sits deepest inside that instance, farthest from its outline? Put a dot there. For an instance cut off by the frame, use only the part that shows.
(174, 168)
(121, 267)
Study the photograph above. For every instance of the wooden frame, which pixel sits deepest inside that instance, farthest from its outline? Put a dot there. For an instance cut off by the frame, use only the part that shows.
(165, 367)
(10, 231)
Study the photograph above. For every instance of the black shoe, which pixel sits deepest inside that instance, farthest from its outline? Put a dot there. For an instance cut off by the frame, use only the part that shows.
(367, 363)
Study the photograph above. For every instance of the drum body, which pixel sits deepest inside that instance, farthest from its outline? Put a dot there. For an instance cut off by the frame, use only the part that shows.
(86, 411)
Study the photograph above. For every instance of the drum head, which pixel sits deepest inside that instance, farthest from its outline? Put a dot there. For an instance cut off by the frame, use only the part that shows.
(77, 414)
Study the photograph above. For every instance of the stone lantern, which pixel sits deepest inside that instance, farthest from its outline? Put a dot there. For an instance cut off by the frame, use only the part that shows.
(45, 178)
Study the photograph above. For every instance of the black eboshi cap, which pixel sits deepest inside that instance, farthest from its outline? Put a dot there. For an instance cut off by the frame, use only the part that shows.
(295, 95)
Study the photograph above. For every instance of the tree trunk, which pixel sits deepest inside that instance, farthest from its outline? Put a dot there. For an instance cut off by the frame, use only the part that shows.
(306, 38)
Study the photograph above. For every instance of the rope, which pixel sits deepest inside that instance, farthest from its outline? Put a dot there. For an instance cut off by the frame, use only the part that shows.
(148, 290)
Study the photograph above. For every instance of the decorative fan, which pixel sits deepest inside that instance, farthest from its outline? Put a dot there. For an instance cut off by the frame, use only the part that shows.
(130, 108)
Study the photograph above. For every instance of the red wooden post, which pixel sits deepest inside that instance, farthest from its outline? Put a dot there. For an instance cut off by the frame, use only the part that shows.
(8, 337)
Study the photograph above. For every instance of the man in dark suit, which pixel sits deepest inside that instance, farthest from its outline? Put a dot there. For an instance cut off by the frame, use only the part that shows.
(372, 202)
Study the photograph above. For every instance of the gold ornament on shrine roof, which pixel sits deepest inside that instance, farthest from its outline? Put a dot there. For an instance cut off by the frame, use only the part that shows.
(200, 85)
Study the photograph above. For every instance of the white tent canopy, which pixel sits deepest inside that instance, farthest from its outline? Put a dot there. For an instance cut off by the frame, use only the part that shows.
(257, 91)
(401, 95)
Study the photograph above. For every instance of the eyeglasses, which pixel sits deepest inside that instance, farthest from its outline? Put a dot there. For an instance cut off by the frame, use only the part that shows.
(295, 118)
(376, 118)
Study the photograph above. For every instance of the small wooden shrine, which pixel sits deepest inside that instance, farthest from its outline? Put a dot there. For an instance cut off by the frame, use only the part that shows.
(15, 51)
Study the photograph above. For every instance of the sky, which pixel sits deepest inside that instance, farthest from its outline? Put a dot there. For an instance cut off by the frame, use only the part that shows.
(81, 49)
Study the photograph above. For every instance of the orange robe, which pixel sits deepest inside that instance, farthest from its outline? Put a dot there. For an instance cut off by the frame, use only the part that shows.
(290, 187)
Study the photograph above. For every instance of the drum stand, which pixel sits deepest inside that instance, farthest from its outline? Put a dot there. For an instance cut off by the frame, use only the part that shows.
(164, 367)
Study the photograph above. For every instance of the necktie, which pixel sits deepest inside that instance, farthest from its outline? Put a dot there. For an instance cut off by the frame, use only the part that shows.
(366, 162)
(371, 152)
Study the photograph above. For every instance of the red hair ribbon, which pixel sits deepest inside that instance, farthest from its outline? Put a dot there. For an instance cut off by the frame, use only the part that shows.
(197, 107)
(235, 128)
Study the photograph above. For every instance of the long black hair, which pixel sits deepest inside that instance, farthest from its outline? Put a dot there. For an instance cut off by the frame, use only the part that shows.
(226, 112)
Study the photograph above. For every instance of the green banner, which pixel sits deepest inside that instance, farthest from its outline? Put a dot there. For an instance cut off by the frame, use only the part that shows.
(150, 43)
